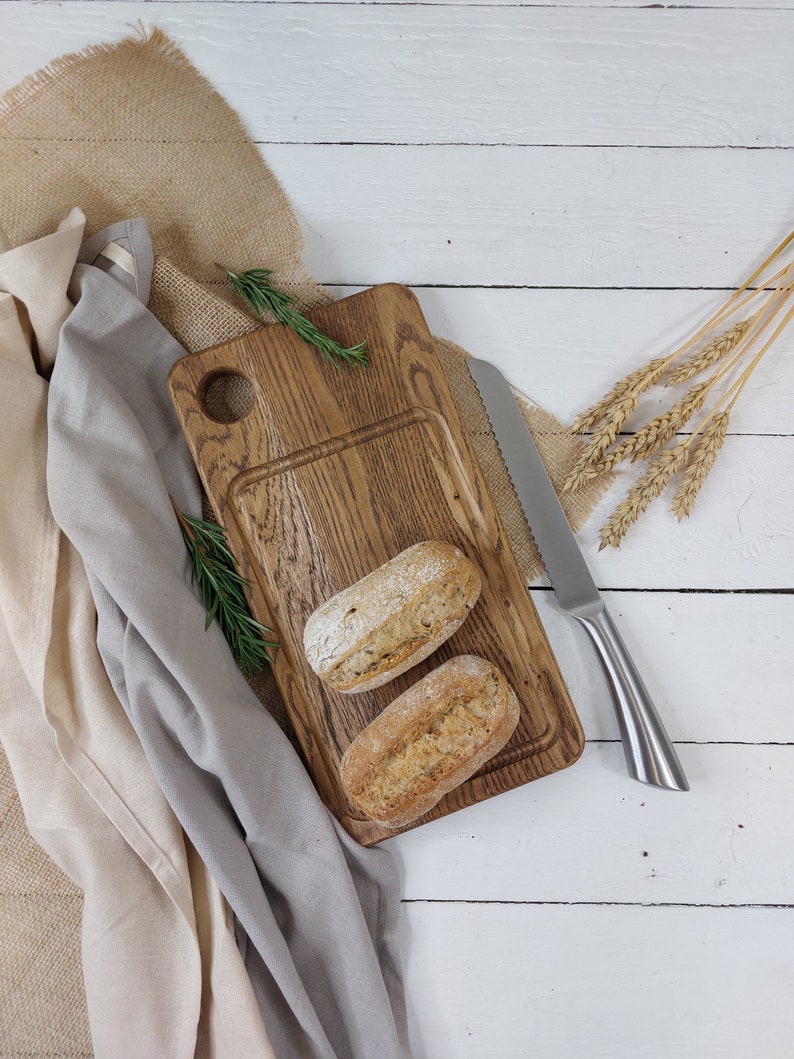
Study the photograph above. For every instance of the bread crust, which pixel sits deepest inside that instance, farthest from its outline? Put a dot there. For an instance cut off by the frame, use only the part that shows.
(391, 619)
(434, 736)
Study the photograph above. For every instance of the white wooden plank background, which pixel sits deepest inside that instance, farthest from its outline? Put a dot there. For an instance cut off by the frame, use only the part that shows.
(618, 981)
(343, 62)
(570, 188)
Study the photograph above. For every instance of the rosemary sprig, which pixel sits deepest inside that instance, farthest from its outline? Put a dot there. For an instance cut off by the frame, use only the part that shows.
(221, 587)
(254, 287)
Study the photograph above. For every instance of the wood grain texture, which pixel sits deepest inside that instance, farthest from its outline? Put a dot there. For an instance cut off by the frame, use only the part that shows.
(568, 347)
(510, 74)
(533, 216)
(583, 836)
(333, 473)
(692, 648)
(554, 982)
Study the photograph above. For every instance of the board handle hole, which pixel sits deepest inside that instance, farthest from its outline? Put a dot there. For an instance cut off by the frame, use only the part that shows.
(226, 396)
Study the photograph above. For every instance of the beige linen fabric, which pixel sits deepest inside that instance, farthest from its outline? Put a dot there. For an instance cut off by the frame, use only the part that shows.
(163, 975)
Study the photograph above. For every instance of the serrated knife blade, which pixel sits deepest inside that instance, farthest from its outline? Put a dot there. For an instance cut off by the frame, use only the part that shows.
(650, 755)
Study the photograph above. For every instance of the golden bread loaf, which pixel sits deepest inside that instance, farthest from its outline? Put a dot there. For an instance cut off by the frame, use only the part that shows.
(391, 619)
(434, 736)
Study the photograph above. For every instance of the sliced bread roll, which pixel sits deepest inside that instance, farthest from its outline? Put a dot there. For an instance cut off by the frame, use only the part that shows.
(391, 619)
(434, 736)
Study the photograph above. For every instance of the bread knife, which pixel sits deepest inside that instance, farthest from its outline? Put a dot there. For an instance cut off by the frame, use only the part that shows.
(650, 755)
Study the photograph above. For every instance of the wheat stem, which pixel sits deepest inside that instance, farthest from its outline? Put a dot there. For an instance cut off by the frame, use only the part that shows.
(643, 378)
(738, 299)
(780, 295)
(771, 308)
(725, 353)
(735, 300)
(741, 382)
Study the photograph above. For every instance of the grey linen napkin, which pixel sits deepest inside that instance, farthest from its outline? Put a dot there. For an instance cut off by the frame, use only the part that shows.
(318, 913)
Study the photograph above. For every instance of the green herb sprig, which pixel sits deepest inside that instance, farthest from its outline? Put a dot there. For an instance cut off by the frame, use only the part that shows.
(254, 287)
(222, 592)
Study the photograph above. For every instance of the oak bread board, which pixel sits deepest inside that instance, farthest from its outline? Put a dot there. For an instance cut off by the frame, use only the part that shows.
(332, 472)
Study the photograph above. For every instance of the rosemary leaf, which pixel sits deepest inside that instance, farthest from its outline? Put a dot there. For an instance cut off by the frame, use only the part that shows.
(222, 592)
(253, 286)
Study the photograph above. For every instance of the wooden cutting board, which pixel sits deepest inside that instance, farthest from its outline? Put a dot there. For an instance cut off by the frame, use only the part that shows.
(332, 472)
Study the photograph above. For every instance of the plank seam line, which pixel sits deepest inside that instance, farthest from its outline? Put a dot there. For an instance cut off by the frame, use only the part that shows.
(688, 591)
(591, 904)
(730, 434)
(524, 145)
(488, 7)
(521, 286)
(710, 742)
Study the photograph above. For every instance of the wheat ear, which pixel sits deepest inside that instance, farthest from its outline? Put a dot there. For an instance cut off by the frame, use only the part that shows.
(644, 490)
(701, 460)
(709, 354)
(719, 347)
(602, 438)
(643, 378)
(658, 431)
(581, 474)
(635, 383)
(639, 445)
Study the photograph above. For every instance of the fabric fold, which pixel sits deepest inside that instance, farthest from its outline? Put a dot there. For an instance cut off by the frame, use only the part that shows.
(320, 912)
(90, 797)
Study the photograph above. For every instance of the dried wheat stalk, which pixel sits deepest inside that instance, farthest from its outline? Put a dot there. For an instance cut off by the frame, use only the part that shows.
(645, 489)
(709, 354)
(701, 460)
(632, 386)
(726, 353)
(603, 437)
(586, 469)
(658, 431)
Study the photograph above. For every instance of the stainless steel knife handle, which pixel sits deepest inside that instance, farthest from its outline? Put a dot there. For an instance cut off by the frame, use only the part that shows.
(650, 755)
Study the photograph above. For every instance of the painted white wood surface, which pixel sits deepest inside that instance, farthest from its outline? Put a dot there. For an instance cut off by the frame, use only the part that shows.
(567, 347)
(719, 665)
(535, 216)
(623, 982)
(465, 149)
(582, 836)
(507, 75)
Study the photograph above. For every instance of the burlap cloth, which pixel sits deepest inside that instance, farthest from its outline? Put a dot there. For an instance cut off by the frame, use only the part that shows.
(132, 129)
(42, 1000)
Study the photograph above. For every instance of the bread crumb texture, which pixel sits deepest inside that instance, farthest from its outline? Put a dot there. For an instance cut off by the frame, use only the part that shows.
(393, 618)
(429, 740)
